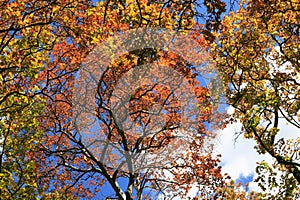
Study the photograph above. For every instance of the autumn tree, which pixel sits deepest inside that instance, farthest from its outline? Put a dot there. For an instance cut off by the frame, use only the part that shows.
(22, 56)
(29, 30)
(44, 44)
(257, 53)
(234, 190)
(90, 163)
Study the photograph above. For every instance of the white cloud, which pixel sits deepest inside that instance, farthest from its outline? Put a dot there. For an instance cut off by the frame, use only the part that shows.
(239, 157)
(238, 154)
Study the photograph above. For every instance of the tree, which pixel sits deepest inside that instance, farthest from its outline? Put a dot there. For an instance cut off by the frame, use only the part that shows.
(21, 59)
(257, 53)
(29, 29)
(236, 191)
(72, 166)
(44, 44)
